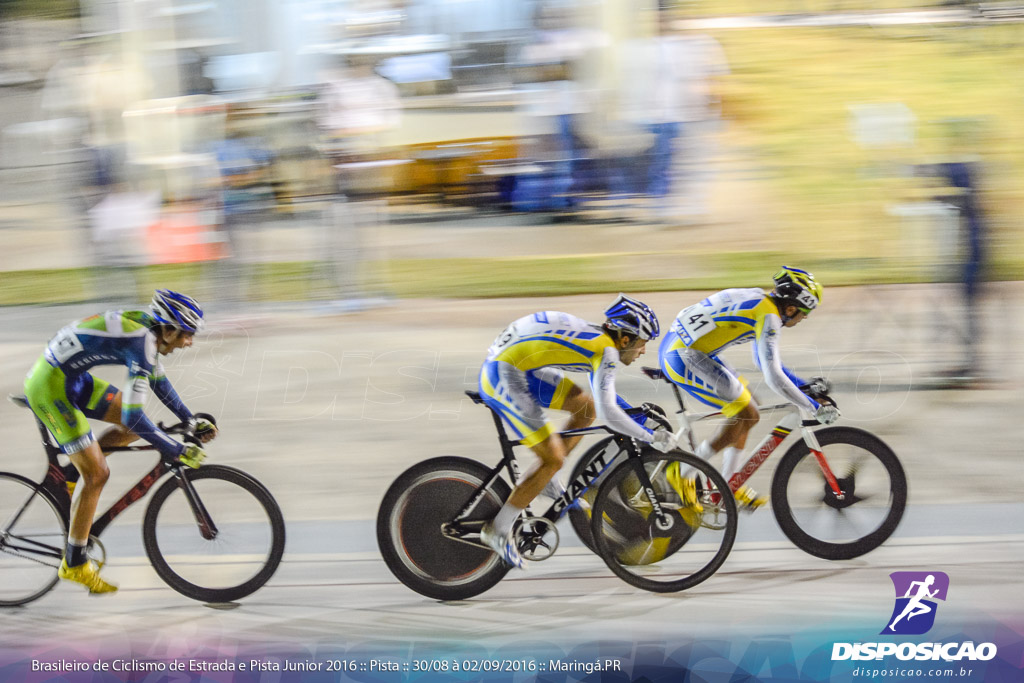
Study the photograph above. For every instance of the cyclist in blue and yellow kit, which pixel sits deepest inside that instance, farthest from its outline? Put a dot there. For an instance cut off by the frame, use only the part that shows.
(523, 375)
(689, 356)
(63, 394)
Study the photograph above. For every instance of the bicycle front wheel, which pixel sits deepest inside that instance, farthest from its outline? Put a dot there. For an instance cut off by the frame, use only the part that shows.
(32, 537)
(677, 549)
(874, 494)
(409, 529)
(232, 559)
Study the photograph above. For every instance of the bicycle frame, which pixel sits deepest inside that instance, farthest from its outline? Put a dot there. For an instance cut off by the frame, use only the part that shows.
(57, 476)
(462, 523)
(768, 444)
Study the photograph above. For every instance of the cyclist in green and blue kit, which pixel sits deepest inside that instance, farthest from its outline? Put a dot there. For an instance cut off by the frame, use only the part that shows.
(63, 394)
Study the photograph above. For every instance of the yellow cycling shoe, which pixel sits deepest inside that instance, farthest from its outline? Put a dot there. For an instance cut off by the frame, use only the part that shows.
(685, 487)
(86, 574)
(748, 500)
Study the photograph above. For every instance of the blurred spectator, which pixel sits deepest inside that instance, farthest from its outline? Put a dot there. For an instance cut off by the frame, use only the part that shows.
(93, 84)
(554, 101)
(959, 176)
(119, 221)
(244, 160)
(670, 90)
(358, 107)
(192, 72)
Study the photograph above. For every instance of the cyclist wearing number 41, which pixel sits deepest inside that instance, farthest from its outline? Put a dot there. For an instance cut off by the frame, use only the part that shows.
(62, 394)
(689, 356)
(523, 374)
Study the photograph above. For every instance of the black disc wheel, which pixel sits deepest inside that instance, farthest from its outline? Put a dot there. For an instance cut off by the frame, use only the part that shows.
(600, 459)
(32, 538)
(678, 543)
(873, 494)
(416, 507)
(227, 561)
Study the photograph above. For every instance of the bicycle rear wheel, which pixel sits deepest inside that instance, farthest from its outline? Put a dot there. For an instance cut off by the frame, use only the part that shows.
(242, 554)
(811, 515)
(32, 537)
(677, 551)
(417, 504)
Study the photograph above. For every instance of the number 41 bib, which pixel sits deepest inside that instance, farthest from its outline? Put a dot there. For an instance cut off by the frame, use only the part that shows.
(694, 322)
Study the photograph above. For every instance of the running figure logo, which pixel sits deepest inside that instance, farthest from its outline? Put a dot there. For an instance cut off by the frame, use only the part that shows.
(916, 593)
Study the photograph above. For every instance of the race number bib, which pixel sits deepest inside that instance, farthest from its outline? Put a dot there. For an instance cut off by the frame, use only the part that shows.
(65, 345)
(694, 322)
(502, 340)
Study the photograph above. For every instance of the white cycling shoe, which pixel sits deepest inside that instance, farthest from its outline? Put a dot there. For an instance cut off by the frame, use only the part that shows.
(504, 546)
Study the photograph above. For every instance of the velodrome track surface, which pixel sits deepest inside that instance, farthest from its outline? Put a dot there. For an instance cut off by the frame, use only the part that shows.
(328, 409)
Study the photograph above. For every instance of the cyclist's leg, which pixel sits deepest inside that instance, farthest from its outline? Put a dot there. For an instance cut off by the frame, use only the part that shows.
(551, 454)
(506, 390)
(118, 435)
(92, 466)
(49, 393)
(90, 396)
(714, 383)
(520, 398)
(580, 405)
(550, 388)
(76, 566)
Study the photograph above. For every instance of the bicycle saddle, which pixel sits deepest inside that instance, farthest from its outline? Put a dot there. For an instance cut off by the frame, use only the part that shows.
(18, 400)
(653, 373)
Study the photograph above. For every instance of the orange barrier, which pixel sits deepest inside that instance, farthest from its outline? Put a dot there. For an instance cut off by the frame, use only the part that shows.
(180, 236)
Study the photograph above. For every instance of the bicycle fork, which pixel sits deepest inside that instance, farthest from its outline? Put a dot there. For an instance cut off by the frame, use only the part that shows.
(819, 455)
(207, 529)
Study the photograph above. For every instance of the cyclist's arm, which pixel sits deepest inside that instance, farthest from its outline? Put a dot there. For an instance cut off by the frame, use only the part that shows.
(640, 418)
(141, 360)
(766, 356)
(168, 396)
(134, 397)
(792, 376)
(608, 403)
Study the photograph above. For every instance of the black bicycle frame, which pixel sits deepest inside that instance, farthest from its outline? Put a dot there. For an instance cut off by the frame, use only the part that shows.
(574, 490)
(57, 476)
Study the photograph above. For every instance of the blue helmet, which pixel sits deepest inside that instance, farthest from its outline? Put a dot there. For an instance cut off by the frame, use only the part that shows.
(632, 317)
(177, 310)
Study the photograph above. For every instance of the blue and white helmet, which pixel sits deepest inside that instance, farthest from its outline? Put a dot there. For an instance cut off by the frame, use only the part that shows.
(177, 310)
(632, 317)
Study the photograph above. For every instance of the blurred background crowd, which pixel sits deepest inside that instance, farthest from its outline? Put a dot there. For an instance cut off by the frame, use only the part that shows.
(348, 151)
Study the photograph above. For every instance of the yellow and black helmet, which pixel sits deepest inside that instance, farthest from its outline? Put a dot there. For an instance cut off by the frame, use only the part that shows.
(797, 287)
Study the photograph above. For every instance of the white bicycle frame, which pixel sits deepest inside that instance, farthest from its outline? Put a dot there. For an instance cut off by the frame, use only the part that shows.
(768, 444)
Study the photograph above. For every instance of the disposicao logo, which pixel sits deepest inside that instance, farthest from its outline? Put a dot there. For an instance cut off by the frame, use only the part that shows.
(914, 614)
(916, 593)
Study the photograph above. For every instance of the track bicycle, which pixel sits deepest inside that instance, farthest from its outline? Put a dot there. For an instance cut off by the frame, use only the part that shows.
(838, 493)
(429, 522)
(213, 534)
